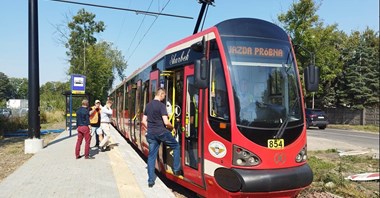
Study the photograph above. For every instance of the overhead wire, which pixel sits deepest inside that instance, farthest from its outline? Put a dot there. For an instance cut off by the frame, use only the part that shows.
(138, 29)
(147, 31)
(124, 9)
(122, 25)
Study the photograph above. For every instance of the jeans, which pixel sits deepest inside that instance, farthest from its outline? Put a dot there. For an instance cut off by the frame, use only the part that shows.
(154, 143)
(96, 131)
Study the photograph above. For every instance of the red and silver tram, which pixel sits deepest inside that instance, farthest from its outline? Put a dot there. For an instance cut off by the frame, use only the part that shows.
(235, 99)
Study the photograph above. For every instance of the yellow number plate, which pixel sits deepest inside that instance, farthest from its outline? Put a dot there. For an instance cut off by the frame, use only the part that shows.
(276, 143)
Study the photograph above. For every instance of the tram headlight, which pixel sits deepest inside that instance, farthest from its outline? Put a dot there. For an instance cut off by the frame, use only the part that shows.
(239, 161)
(243, 157)
(302, 155)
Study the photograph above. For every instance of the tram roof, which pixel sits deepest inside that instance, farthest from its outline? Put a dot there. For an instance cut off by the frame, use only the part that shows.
(232, 27)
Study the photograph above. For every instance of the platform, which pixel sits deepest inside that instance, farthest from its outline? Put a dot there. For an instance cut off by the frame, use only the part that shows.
(54, 172)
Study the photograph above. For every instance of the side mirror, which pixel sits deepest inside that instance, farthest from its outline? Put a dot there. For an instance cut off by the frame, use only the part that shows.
(201, 72)
(311, 78)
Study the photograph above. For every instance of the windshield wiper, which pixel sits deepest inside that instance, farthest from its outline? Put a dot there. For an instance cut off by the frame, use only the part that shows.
(283, 125)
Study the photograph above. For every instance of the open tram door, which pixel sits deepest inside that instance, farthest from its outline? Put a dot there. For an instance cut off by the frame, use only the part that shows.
(130, 123)
(191, 132)
(136, 129)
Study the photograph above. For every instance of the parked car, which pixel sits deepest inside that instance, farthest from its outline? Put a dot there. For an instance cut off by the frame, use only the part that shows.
(5, 113)
(316, 117)
(23, 112)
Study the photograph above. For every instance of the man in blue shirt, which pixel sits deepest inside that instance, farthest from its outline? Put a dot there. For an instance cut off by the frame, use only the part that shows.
(83, 128)
(155, 119)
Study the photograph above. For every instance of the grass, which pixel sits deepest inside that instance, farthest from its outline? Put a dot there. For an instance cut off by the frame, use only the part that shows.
(366, 128)
(52, 117)
(330, 171)
(12, 153)
(48, 120)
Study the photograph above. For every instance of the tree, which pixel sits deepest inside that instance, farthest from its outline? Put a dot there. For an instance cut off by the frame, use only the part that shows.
(326, 43)
(96, 60)
(19, 88)
(82, 29)
(5, 88)
(103, 60)
(51, 96)
(358, 86)
(316, 42)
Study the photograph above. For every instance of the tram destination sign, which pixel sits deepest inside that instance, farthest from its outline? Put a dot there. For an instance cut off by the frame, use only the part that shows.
(78, 84)
(257, 51)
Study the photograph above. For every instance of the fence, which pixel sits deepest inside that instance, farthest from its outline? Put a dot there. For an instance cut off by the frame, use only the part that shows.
(367, 116)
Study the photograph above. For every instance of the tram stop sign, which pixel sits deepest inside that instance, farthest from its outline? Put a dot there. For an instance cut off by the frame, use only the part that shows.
(78, 84)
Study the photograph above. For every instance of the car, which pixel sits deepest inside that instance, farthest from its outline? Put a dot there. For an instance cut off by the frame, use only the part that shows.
(316, 117)
(23, 112)
(5, 113)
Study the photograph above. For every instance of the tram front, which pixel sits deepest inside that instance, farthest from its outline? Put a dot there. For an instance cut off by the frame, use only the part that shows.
(268, 131)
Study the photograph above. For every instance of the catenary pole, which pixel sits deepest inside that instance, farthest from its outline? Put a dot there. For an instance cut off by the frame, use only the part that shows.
(33, 73)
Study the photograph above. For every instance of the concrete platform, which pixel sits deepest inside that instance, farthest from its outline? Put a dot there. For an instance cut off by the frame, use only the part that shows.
(54, 172)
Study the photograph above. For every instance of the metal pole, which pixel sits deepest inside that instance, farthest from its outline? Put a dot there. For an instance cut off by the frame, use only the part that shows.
(84, 58)
(71, 112)
(200, 16)
(33, 73)
(312, 104)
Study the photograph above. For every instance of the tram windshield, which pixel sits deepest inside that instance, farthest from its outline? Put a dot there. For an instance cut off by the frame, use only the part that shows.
(264, 81)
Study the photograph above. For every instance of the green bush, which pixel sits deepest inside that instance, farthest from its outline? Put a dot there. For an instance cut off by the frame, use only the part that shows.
(14, 123)
(19, 123)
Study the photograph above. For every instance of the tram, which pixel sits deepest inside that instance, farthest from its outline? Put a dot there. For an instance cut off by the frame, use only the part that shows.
(235, 99)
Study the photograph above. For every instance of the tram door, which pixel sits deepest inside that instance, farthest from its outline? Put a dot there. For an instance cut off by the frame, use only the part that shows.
(190, 128)
(119, 113)
(125, 124)
(132, 112)
(137, 118)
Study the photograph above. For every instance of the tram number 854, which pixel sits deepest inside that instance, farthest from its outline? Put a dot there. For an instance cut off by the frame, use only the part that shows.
(276, 143)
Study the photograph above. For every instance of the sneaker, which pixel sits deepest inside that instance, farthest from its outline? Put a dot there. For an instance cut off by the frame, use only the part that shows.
(151, 185)
(104, 149)
(78, 157)
(89, 157)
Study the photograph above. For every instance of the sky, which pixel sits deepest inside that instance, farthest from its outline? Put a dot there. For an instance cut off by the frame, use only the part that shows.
(139, 45)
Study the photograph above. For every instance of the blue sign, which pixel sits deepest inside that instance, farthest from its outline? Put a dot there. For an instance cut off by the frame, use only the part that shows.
(78, 84)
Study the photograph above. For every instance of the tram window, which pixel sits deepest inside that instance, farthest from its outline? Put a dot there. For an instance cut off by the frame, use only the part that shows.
(125, 98)
(219, 107)
(138, 99)
(145, 97)
(275, 87)
(153, 88)
(130, 103)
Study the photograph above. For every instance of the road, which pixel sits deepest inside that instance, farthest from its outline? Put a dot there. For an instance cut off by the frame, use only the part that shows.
(341, 139)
